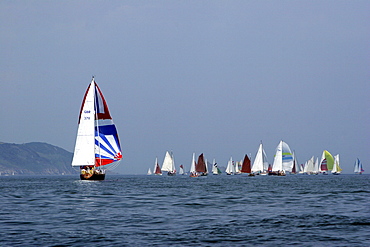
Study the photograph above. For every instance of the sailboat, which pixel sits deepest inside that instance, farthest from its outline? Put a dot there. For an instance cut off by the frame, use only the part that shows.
(309, 166)
(97, 145)
(283, 161)
(193, 172)
(230, 168)
(326, 163)
(358, 167)
(295, 168)
(157, 170)
(215, 169)
(260, 164)
(149, 172)
(246, 166)
(336, 168)
(200, 166)
(182, 171)
(237, 167)
(169, 164)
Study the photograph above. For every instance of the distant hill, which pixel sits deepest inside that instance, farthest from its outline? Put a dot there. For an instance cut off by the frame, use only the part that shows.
(35, 158)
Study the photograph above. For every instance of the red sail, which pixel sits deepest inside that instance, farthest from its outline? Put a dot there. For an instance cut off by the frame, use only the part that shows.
(157, 169)
(201, 165)
(246, 167)
(324, 166)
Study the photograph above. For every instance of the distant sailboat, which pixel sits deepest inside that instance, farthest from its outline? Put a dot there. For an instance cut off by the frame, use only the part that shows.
(230, 168)
(97, 144)
(358, 167)
(283, 161)
(260, 164)
(327, 162)
(237, 167)
(149, 172)
(169, 164)
(182, 171)
(157, 170)
(309, 166)
(336, 168)
(193, 172)
(246, 166)
(215, 169)
(316, 166)
(295, 168)
(200, 166)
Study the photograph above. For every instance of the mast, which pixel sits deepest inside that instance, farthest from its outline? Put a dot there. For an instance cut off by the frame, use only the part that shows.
(96, 124)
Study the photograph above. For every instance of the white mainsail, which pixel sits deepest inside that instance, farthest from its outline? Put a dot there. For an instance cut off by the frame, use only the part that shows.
(214, 167)
(84, 153)
(316, 167)
(260, 163)
(358, 167)
(192, 165)
(181, 172)
(296, 168)
(230, 168)
(336, 168)
(309, 167)
(168, 163)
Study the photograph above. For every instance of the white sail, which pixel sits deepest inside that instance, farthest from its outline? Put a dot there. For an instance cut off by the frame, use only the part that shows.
(336, 168)
(168, 163)
(322, 161)
(84, 153)
(283, 160)
(149, 172)
(358, 167)
(181, 172)
(214, 167)
(206, 161)
(310, 165)
(192, 165)
(260, 163)
(295, 164)
(316, 166)
(155, 164)
(230, 169)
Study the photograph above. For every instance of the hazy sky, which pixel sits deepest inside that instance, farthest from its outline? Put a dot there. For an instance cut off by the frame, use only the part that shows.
(216, 77)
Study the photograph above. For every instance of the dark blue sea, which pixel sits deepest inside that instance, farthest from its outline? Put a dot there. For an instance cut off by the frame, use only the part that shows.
(297, 210)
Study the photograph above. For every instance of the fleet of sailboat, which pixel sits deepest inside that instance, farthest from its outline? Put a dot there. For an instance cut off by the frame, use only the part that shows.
(98, 149)
(285, 162)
